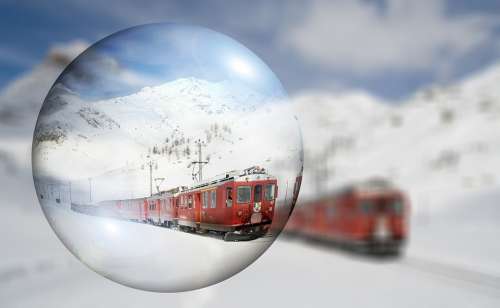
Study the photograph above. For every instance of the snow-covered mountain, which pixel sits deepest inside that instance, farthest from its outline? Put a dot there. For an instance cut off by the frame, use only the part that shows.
(21, 99)
(441, 143)
(115, 138)
(144, 114)
(442, 139)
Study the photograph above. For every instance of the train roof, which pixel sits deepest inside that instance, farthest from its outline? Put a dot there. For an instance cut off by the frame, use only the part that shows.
(249, 174)
(372, 185)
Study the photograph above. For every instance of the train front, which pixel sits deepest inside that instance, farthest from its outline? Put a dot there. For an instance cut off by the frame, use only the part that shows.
(253, 204)
(383, 219)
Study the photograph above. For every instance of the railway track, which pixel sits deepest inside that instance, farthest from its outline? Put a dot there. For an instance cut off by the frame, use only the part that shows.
(455, 272)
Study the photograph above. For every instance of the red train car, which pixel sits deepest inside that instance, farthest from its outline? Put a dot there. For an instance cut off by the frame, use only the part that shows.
(372, 215)
(239, 205)
(161, 209)
(131, 209)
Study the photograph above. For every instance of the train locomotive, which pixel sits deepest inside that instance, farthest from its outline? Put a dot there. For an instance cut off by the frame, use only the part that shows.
(239, 205)
(371, 216)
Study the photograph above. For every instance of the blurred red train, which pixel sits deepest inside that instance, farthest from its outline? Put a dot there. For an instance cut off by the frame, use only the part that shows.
(239, 205)
(371, 216)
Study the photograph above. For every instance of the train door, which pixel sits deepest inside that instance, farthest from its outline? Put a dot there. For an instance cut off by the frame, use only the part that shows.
(256, 216)
(197, 208)
(199, 202)
(382, 229)
(268, 201)
(227, 203)
(159, 209)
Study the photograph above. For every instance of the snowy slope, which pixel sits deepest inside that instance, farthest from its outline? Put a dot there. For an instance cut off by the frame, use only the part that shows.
(111, 141)
(440, 142)
(21, 99)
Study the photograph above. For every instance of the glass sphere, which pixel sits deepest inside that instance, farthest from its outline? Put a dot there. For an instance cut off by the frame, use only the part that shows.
(167, 157)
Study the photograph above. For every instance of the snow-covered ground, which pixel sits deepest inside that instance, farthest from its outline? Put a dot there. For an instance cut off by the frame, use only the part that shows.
(439, 143)
(148, 257)
(289, 274)
(441, 146)
(465, 234)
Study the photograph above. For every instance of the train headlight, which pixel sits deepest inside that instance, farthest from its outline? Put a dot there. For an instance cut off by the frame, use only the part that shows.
(256, 207)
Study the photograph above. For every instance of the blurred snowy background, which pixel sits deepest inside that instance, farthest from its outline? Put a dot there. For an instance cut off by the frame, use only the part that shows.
(408, 90)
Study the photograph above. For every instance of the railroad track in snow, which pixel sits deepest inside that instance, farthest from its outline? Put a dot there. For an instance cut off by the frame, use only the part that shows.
(455, 272)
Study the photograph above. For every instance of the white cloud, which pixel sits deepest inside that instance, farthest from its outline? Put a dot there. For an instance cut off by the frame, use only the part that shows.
(359, 37)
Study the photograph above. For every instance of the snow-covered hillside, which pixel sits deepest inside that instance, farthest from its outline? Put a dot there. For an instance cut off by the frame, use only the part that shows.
(21, 100)
(112, 140)
(442, 142)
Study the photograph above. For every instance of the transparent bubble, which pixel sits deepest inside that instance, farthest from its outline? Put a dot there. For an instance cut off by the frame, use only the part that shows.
(167, 157)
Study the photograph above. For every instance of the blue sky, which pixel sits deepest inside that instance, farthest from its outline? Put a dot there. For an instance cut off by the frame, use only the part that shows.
(154, 54)
(388, 48)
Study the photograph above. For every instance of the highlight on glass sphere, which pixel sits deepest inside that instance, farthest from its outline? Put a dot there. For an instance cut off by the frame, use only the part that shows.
(167, 157)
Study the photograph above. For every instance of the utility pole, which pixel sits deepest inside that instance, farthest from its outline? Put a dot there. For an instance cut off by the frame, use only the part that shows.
(150, 163)
(200, 162)
(150, 178)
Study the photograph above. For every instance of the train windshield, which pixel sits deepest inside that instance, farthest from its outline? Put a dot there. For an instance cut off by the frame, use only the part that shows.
(244, 194)
(397, 207)
(367, 207)
(269, 194)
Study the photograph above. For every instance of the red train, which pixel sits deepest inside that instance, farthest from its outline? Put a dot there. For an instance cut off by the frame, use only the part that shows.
(371, 216)
(239, 205)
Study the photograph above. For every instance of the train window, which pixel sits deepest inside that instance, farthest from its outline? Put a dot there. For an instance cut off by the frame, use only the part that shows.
(397, 207)
(243, 195)
(269, 194)
(229, 196)
(257, 193)
(213, 199)
(204, 199)
(330, 211)
(366, 207)
(190, 201)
